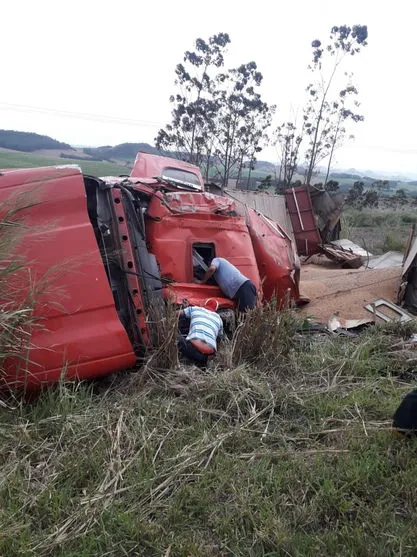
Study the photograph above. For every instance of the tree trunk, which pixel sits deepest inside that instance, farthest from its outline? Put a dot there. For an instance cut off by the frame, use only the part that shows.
(195, 119)
(323, 100)
(239, 172)
(249, 173)
(313, 150)
(287, 167)
(208, 157)
(332, 149)
(193, 136)
(226, 162)
(230, 141)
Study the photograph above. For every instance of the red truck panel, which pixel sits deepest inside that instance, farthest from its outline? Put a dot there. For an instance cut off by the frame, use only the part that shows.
(78, 327)
(303, 221)
(197, 294)
(275, 257)
(183, 219)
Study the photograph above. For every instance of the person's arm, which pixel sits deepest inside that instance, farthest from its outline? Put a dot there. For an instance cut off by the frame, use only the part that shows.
(209, 273)
(185, 309)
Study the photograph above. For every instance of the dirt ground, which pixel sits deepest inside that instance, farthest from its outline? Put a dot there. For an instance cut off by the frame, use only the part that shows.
(345, 291)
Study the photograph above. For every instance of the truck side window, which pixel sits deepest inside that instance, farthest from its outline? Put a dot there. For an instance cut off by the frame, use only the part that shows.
(202, 256)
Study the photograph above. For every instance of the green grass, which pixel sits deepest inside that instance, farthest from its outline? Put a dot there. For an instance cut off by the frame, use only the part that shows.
(27, 160)
(394, 241)
(294, 458)
(378, 230)
(376, 217)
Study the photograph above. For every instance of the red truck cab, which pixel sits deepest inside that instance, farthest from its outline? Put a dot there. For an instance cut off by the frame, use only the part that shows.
(99, 254)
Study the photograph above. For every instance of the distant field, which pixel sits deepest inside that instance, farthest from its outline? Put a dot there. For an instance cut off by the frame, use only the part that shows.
(26, 160)
(14, 159)
(379, 230)
(344, 183)
(347, 183)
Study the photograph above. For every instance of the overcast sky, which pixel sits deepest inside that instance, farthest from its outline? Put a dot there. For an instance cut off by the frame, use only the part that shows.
(98, 72)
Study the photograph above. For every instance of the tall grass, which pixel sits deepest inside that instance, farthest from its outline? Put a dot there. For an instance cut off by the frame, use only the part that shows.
(378, 230)
(16, 294)
(263, 334)
(164, 326)
(394, 241)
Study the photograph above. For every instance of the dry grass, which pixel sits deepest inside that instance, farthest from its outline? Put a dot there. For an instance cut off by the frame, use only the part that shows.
(17, 293)
(248, 460)
(164, 325)
(263, 334)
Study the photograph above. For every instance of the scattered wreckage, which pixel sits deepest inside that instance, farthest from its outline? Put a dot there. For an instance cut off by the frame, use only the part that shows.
(360, 288)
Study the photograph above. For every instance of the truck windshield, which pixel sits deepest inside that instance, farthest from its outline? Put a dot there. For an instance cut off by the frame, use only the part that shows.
(181, 176)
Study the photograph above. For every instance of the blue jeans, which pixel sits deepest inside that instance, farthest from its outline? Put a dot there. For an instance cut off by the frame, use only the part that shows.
(246, 296)
(189, 351)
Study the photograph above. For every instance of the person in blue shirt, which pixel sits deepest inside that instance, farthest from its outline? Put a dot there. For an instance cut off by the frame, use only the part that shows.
(232, 283)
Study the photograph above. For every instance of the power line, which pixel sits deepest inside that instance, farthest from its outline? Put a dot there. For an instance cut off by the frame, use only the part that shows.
(79, 115)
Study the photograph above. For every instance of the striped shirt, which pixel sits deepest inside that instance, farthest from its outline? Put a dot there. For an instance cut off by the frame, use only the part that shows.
(205, 325)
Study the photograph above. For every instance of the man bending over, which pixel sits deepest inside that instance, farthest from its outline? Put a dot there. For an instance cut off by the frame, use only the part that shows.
(232, 283)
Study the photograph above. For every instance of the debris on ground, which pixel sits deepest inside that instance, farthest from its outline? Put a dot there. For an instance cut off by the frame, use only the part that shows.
(350, 247)
(337, 323)
(407, 291)
(344, 257)
(394, 313)
(385, 261)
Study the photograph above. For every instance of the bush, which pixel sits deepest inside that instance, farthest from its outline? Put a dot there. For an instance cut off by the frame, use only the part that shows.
(264, 337)
(394, 242)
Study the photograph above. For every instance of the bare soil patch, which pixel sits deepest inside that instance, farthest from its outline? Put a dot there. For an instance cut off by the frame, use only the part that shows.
(345, 291)
(64, 152)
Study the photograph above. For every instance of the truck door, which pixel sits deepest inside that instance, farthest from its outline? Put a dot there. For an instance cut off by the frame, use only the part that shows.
(75, 330)
(300, 209)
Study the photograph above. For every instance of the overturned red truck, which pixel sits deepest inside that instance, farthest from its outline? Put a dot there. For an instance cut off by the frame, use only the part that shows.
(108, 250)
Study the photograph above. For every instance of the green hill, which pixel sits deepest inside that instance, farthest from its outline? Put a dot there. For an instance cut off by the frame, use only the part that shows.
(27, 160)
(121, 152)
(25, 141)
